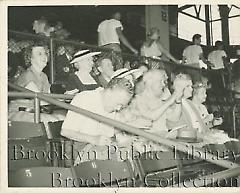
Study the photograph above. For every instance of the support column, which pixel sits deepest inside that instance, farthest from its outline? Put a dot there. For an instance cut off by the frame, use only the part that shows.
(52, 69)
(36, 110)
(224, 11)
(207, 23)
(157, 16)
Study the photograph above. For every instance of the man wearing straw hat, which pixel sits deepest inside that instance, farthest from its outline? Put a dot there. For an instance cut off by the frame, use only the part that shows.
(89, 134)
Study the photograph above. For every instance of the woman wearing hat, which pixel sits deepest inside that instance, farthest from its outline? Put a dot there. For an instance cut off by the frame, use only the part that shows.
(152, 47)
(82, 79)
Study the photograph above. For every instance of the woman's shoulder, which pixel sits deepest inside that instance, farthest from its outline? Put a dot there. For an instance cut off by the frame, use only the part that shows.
(26, 77)
(44, 75)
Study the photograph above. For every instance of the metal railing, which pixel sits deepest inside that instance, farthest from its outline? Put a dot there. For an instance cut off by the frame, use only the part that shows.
(25, 93)
(54, 43)
(183, 147)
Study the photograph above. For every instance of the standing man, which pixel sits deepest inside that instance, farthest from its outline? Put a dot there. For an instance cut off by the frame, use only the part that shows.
(194, 53)
(110, 34)
(218, 57)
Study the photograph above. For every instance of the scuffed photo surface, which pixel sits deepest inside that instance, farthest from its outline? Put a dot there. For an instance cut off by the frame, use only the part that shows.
(123, 96)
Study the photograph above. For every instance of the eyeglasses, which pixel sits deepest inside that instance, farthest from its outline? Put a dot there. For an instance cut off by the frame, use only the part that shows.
(128, 85)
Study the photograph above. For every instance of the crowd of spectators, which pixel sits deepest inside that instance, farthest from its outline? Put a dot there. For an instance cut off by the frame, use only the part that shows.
(168, 105)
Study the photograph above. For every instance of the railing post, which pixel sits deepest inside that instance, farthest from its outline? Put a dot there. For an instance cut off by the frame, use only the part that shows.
(36, 110)
(234, 121)
(51, 61)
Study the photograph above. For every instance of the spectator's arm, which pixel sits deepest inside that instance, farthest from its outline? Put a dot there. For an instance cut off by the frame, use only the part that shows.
(201, 57)
(166, 53)
(142, 53)
(225, 62)
(184, 58)
(124, 40)
(154, 115)
(174, 113)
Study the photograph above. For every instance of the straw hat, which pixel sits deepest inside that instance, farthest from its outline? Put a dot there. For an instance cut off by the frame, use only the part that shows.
(123, 72)
(82, 54)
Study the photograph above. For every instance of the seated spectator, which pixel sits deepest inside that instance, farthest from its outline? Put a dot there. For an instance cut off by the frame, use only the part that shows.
(82, 80)
(36, 58)
(199, 97)
(192, 118)
(105, 69)
(94, 134)
(218, 57)
(139, 86)
(34, 79)
(155, 105)
(132, 75)
(152, 47)
(212, 135)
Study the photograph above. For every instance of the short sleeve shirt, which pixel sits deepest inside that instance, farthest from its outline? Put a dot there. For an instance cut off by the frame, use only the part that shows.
(91, 101)
(151, 51)
(140, 104)
(216, 58)
(107, 32)
(191, 53)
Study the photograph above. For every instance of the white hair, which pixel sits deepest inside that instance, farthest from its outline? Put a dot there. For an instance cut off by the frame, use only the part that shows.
(150, 77)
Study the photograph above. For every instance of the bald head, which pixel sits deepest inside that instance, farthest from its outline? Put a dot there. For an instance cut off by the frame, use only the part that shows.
(153, 76)
(155, 82)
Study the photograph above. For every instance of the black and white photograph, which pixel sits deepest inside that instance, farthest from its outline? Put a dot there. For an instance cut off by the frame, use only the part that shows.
(121, 96)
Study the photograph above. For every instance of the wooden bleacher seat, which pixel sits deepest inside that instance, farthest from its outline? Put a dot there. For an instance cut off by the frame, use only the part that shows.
(58, 142)
(165, 163)
(27, 145)
(112, 173)
(25, 130)
(43, 177)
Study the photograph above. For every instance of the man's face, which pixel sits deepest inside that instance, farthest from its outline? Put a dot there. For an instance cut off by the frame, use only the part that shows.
(187, 93)
(117, 16)
(120, 99)
(220, 47)
(143, 69)
(202, 95)
(159, 84)
(85, 64)
(39, 57)
(198, 41)
(38, 26)
(106, 67)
